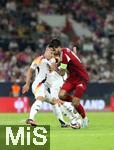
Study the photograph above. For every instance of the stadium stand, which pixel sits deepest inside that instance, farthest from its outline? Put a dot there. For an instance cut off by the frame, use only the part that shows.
(23, 35)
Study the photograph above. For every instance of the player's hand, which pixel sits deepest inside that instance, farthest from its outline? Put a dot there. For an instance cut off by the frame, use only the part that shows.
(25, 88)
(58, 60)
(61, 72)
(53, 67)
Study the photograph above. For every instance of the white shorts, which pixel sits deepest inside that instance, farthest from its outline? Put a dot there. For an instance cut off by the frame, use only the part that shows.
(40, 89)
(55, 87)
(54, 92)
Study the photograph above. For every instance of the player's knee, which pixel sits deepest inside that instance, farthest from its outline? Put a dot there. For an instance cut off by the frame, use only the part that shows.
(62, 95)
(54, 101)
(76, 101)
(79, 93)
(40, 98)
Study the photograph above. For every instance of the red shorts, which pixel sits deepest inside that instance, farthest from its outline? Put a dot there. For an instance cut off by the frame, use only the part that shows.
(75, 84)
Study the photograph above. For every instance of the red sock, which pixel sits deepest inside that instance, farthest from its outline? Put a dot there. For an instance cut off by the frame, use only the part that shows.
(80, 110)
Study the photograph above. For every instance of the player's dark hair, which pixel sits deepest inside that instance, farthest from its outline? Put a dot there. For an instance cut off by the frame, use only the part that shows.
(55, 43)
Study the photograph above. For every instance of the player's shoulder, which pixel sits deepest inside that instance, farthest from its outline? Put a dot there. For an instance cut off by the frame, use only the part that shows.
(67, 50)
(38, 59)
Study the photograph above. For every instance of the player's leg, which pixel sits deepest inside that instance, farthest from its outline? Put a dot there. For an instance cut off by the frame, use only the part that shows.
(66, 109)
(65, 90)
(63, 94)
(58, 113)
(69, 111)
(63, 108)
(56, 106)
(39, 93)
(80, 89)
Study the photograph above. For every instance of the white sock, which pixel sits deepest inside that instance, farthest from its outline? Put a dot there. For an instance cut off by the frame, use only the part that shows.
(57, 112)
(67, 109)
(66, 112)
(35, 108)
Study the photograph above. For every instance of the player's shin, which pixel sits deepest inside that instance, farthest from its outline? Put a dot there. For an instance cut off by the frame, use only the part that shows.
(67, 111)
(35, 108)
(81, 111)
(57, 111)
(79, 108)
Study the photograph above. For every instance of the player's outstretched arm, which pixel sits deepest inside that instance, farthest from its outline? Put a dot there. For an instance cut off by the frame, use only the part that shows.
(28, 80)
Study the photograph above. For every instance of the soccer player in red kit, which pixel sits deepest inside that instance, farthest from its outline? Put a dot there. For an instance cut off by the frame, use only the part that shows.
(77, 79)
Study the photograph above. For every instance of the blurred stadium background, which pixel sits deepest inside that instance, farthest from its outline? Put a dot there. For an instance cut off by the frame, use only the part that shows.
(26, 27)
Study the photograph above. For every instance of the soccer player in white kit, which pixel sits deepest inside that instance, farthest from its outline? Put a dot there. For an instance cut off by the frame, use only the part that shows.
(41, 65)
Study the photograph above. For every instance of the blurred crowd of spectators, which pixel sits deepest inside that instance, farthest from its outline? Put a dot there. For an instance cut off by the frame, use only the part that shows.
(23, 36)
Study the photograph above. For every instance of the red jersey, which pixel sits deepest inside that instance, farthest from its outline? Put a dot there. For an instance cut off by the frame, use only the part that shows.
(74, 65)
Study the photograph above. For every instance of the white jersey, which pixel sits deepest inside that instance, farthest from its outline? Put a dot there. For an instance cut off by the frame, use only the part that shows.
(55, 82)
(41, 67)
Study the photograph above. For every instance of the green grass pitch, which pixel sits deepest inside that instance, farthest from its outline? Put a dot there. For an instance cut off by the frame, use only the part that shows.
(98, 136)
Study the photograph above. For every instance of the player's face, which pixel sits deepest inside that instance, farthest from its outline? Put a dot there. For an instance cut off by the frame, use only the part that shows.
(48, 54)
(56, 51)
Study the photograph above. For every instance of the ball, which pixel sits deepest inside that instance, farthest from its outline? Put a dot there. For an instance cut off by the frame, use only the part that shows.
(76, 123)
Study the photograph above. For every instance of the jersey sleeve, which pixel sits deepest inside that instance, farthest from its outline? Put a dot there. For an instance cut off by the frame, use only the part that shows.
(36, 62)
(71, 56)
(33, 65)
(64, 60)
